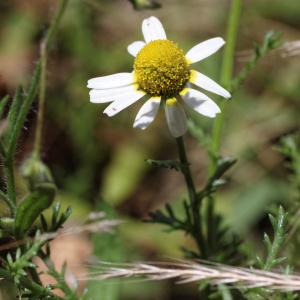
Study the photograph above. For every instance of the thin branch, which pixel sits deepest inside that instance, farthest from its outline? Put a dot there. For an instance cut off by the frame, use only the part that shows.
(195, 203)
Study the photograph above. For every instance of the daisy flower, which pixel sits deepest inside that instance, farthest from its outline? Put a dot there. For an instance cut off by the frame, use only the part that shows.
(162, 74)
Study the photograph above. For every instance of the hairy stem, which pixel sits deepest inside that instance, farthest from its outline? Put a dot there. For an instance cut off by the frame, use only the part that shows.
(9, 154)
(226, 75)
(10, 199)
(195, 204)
(45, 44)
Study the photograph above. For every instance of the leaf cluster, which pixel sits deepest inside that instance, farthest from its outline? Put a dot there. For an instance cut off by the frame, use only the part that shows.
(22, 236)
(219, 242)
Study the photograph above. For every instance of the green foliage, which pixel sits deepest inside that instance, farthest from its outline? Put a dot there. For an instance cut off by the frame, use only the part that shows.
(23, 110)
(14, 111)
(32, 206)
(3, 103)
(36, 172)
(70, 294)
(289, 147)
(17, 264)
(221, 245)
(272, 40)
(273, 259)
(168, 164)
(273, 247)
(202, 214)
(145, 4)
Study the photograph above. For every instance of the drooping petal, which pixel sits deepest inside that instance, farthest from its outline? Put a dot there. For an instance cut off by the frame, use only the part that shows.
(153, 30)
(208, 84)
(122, 102)
(111, 81)
(204, 49)
(147, 113)
(200, 102)
(176, 118)
(109, 95)
(135, 47)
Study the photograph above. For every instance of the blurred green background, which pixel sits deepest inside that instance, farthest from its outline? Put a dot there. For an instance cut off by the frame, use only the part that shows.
(99, 163)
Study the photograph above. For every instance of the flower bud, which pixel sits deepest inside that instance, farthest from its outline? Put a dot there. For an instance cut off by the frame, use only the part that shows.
(35, 172)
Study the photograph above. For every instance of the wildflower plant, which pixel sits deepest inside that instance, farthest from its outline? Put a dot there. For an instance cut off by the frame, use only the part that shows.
(162, 78)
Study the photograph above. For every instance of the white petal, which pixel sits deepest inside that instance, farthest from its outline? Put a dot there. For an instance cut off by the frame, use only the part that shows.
(204, 49)
(122, 102)
(206, 83)
(111, 81)
(135, 47)
(176, 118)
(109, 95)
(147, 113)
(153, 30)
(200, 102)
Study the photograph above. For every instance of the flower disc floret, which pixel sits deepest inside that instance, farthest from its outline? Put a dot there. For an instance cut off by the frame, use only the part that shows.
(161, 68)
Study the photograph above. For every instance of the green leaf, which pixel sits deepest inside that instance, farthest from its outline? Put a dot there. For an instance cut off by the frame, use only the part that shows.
(14, 135)
(274, 247)
(145, 4)
(3, 103)
(14, 111)
(223, 164)
(168, 164)
(32, 206)
(43, 223)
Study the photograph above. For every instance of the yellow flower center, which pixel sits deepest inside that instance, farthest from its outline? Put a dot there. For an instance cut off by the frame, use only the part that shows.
(161, 68)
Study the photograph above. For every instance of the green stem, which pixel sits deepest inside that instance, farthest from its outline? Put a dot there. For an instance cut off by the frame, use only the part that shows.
(226, 75)
(10, 198)
(14, 135)
(45, 44)
(194, 201)
(210, 224)
(10, 152)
